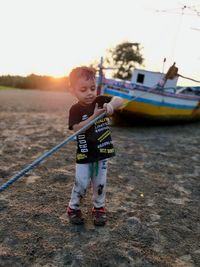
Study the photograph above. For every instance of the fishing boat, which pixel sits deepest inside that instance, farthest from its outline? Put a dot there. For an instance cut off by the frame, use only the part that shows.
(154, 96)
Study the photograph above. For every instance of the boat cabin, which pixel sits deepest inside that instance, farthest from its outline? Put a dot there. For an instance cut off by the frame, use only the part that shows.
(151, 78)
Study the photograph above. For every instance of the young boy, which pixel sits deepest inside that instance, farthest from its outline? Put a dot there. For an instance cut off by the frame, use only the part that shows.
(94, 146)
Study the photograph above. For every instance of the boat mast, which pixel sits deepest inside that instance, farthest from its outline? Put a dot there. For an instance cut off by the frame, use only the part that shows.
(100, 78)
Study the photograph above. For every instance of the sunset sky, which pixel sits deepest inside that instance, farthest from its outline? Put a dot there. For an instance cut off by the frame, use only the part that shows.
(50, 37)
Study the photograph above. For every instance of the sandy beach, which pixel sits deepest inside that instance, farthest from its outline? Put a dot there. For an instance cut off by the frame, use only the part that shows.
(153, 191)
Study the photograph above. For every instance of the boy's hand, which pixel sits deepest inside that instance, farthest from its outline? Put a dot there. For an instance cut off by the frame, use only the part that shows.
(98, 111)
(108, 108)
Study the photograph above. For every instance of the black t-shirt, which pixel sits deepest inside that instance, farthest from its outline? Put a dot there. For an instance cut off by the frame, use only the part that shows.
(95, 143)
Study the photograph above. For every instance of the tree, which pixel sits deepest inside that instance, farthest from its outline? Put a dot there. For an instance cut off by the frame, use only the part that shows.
(124, 58)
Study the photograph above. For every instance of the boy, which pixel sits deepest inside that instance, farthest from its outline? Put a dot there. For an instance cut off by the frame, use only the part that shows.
(94, 146)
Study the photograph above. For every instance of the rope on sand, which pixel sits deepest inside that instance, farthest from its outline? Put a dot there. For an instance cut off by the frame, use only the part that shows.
(48, 154)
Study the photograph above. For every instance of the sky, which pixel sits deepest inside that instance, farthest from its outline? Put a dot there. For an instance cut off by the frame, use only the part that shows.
(49, 37)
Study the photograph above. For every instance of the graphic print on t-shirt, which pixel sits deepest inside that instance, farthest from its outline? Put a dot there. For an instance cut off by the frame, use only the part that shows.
(95, 143)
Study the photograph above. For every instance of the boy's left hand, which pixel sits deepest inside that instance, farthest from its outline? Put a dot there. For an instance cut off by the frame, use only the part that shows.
(108, 108)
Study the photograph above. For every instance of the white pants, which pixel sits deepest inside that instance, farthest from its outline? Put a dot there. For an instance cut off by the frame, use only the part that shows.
(96, 173)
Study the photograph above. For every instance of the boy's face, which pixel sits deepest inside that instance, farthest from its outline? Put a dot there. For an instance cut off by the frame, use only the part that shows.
(85, 90)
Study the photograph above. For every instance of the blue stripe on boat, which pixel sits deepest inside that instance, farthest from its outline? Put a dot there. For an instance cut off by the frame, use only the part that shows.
(147, 101)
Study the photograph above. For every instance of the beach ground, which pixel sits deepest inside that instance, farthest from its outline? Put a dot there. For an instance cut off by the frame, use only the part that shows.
(153, 191)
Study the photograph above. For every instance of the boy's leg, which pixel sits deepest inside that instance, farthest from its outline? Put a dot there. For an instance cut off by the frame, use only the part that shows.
(99, 183)
(99, 192)
(82, 180)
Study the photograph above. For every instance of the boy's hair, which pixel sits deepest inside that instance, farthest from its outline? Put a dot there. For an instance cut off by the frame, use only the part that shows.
(81, 72)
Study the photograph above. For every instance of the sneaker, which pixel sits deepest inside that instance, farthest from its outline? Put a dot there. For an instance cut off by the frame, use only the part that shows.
(99, 216)
(75, 216)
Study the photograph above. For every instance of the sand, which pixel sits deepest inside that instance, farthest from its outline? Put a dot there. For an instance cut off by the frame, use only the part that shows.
(153, 191)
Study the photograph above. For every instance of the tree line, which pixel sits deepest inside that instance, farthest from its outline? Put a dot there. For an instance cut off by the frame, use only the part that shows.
(34, 81)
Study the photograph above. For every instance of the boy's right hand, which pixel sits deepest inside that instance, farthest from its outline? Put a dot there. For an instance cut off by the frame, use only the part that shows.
(98, 111)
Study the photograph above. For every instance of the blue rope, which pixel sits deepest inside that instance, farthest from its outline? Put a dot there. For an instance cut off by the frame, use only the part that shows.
(47, 154)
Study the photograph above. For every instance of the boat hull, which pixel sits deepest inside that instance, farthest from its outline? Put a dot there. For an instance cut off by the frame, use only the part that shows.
(155, 104)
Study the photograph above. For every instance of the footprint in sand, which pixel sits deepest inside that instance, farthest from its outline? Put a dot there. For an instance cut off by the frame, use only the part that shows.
(185, 261)
(178, 201)
(181, 189)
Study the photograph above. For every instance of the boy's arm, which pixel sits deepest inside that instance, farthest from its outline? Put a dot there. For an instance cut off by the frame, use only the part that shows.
(115, 103)
(97, 111)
